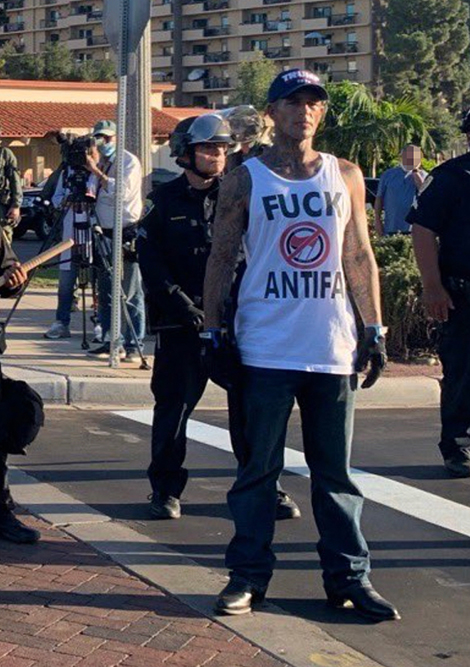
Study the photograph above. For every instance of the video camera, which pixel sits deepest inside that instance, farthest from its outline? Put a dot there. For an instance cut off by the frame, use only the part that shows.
(75, 150)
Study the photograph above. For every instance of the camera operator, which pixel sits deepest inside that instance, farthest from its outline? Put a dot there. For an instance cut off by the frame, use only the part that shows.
(59, 192)
(11, 528)
(11, 193)
(102, 164)
(173, 245)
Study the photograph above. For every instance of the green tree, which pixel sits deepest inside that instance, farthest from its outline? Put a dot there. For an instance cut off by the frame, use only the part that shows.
(93, 70)
(17, 65)
(369, 131)
(426, 50)
(253, 80)
(58, 62)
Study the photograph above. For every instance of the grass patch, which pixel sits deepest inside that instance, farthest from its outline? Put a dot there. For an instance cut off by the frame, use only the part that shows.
(46, 277)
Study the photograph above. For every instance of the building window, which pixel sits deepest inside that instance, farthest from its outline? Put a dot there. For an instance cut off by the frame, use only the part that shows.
(54, 37)
(168, 25)
(258, 18)
(350, 8)
(259, 44)
(286, 42)
(351, 37)
(285, 15)
(224, 22)
(85, 34)
(199, 49)
(167, 50)
(352, 66)
(199, 23)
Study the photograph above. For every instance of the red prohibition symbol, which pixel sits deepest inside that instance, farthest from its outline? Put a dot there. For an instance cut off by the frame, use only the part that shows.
(305, 245)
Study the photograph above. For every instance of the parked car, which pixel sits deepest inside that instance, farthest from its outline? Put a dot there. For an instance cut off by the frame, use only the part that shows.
(36, 214)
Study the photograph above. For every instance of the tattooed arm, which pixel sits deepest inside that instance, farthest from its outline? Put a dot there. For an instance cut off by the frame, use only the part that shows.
(358, 257)
(230, 219)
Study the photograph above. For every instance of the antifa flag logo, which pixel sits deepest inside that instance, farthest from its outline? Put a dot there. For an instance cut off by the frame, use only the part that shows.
(305, 245)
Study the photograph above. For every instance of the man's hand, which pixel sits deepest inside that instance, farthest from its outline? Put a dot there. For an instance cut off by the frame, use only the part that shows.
(221, 358)
(15, 275)
(14, 216)
(371, 350)
(437, 302)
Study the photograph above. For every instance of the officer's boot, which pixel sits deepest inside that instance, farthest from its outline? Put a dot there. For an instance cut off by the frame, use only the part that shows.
(13, 530)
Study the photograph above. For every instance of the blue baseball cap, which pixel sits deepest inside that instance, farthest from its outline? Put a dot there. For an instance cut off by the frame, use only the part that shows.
(289, 82)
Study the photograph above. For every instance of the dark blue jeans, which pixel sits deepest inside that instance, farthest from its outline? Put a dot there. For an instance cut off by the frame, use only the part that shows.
(326, 405)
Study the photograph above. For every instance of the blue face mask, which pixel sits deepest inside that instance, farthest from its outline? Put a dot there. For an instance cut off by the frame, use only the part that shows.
(107, 150)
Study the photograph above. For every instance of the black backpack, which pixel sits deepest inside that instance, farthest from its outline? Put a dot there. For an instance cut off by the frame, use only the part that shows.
(21, 415)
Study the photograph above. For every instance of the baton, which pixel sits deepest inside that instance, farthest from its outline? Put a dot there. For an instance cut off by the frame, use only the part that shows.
(43, 257)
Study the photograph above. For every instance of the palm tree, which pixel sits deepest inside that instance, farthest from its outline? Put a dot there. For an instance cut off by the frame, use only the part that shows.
(365, 129)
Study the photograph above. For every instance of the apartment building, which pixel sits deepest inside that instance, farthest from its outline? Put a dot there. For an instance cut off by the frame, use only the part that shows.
(205, 40)
(198, 44)
(32, 24)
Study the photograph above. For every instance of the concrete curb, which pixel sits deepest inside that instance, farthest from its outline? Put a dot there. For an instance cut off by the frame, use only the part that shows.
(56, 388)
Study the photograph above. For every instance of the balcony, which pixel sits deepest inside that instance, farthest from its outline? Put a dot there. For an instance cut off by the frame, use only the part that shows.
(216, 5)
(275, 2)
(192, 34)
(343, 47)
(217, 31)
(314, 51)
(214, 83)
(162, 36)
(277, 26)
(161, 61)
(278, 53)
(218, 57)
(193, 60)
(77, 43)
(343, 19)
(315, 23)
(193, 86)
(344, 75)
(97, 40)
(48, 23)
(164, 9)
(191, 8)
(48, 2)
(14, 4)
(13, 27)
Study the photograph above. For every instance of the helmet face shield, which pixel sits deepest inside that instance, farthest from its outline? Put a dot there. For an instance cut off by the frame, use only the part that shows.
(209, 128)
(245, 122)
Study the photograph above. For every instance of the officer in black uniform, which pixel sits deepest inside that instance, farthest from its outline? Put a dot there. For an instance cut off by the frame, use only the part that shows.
(440, 217)
(173, 246)
(11, 528)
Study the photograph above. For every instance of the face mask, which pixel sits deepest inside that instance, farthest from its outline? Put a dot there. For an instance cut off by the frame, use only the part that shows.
(107, 150)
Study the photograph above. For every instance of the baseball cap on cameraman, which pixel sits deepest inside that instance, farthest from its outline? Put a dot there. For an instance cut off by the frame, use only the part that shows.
(106, 127)
(289, 82)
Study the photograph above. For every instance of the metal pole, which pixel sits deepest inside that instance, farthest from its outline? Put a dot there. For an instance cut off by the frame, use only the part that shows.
(139, 117)
(123, 67)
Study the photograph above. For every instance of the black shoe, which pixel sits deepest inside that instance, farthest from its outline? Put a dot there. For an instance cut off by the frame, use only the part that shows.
(237, 598)
(165, 507)
(286, 508)
(457, 462)
(13, 530)
(366, 601)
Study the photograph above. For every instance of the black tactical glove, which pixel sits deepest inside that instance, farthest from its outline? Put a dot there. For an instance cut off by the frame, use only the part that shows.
(372, 349)
(184, 311)
(221, 358)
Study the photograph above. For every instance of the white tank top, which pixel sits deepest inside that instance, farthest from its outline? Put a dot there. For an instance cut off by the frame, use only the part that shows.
(293, 309)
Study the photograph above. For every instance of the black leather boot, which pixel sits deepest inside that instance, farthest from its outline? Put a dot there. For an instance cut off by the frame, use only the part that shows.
(286, 507)
(457, 462)
(366, 601)
(165, 507)
(237, 598)
(13, 530)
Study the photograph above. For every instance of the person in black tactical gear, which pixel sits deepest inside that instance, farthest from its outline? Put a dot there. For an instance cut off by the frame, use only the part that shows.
(173, 246)
(441, 238)
(11, 528)
(11, 192)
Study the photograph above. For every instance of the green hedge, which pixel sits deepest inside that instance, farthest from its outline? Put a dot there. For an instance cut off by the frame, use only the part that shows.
(409, 331)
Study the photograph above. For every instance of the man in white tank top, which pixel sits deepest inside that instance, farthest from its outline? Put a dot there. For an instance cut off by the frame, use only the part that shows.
(301, 217)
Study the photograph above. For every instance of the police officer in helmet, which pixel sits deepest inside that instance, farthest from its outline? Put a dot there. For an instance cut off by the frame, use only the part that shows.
(173, 247)
(441, 237)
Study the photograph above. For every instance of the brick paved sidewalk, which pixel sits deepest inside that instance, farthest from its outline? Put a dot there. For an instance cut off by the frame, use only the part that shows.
(63, 604)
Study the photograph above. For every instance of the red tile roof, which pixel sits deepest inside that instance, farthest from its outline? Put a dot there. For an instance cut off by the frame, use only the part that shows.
(72, 85)
(37, 119)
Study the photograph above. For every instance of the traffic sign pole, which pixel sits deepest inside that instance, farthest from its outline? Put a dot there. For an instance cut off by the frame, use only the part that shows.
(123, 70)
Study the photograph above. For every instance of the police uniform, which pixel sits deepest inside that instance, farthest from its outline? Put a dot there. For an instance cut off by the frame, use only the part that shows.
(11, 193)
(443, 207)
(173, 247)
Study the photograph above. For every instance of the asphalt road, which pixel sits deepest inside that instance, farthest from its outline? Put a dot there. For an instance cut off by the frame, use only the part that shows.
(100, 459)
(27, 247)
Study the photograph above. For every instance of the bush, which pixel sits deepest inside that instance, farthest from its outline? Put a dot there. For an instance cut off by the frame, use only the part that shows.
(409, 331)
